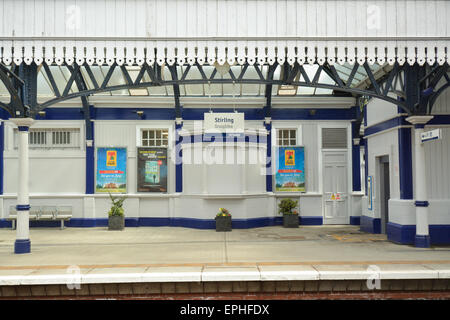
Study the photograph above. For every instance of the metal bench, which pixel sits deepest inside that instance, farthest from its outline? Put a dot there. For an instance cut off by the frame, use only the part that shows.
(43, 213)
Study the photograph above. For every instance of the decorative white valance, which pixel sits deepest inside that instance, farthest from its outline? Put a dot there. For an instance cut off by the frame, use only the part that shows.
(127, 52)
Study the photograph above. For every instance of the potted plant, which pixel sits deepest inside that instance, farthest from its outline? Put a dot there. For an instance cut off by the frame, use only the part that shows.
(223, 220)
(290, 215)
(116, 217)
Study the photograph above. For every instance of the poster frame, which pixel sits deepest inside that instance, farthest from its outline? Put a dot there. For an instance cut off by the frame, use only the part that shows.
(96, 168)
(274, 171)
(137, 169)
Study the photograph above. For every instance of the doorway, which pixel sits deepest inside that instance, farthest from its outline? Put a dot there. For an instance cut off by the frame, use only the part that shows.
(384, 192)
(335, 187)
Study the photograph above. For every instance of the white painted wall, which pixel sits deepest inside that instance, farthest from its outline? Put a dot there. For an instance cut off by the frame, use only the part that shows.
(437, 159)
(384, 143)
(51, 170)
(58, 178)
(379, 111)
(442, 104)
(203, 18)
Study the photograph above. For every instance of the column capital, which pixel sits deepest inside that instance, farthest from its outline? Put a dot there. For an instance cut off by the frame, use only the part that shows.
(22, 122)
(419, 119)
(356, 141)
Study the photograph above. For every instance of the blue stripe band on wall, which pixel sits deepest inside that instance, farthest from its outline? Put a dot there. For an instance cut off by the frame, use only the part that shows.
(400, 121)
(385, 125)
(405, 163)
(179, 158)
(366, 163)
(2, 149)
(356, 161)
(197, 113)
(366, 153)
(90, 165)
(23, 128)
(421, 203)
(355, 220)
(369, 224)
(171, 222)
(269, 163)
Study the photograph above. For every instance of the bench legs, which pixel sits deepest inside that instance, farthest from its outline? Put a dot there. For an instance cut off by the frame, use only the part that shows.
(13, 224)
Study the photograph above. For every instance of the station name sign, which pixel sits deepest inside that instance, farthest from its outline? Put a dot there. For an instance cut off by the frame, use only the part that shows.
(431, 135)
(224, 122)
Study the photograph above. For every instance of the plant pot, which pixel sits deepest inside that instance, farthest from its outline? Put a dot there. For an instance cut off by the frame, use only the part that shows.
(290, 220)
(223, 223)
(116, 223)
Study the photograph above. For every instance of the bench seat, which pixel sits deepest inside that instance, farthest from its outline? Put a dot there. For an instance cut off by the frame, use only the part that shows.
(43, 213)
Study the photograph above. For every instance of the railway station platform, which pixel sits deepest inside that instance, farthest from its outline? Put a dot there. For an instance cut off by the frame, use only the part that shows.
(271, 262)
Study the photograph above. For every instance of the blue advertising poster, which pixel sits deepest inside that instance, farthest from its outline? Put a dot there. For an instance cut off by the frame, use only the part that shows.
(111, 170)
(290, 169)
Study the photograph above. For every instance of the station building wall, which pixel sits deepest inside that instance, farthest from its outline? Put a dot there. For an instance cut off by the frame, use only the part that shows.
(388, 133)
(58, 177)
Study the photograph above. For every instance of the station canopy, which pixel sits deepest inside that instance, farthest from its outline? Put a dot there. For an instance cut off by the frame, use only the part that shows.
(375, 35)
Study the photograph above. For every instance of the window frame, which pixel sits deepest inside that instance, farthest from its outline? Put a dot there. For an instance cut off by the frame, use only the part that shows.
(162, 126)
(288, 125)
(11, 131)
(155, 138)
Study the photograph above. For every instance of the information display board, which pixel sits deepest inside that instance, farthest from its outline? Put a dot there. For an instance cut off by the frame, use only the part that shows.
(111, 170)
(152, 169)
(290, 169)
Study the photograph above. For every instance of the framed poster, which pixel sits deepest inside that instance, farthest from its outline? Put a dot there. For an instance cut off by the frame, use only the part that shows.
(152, 169)
(290, 169)
(111, 170)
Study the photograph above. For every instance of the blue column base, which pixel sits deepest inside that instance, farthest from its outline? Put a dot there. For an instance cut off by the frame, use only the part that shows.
(422, 241)
(22, 246)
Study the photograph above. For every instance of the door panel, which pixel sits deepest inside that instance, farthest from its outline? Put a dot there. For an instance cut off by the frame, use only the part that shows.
(335, 188)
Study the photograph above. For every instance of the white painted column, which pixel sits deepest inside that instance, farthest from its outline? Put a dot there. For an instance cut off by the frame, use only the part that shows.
(422, 238)
(205, 165)
(241, 160)
(23, 243)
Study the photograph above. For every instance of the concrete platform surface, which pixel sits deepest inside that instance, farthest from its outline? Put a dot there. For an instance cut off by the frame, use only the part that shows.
(174, 254)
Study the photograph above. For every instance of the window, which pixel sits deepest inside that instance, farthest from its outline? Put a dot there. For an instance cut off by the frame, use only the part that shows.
(334, 138)
(155, 137)
(51, 138)
(286, 137)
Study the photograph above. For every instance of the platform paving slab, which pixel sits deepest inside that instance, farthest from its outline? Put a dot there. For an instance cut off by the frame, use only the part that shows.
(225, 273)
(173, 274)
(406, 271)
(442, 269)
(343, 272)
(288, 272)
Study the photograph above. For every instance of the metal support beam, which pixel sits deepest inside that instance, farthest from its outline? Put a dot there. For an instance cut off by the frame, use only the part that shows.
(290, 76)
(268, 93)
(176, 92)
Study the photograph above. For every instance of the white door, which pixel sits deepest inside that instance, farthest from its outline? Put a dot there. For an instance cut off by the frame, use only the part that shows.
(335, 198)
